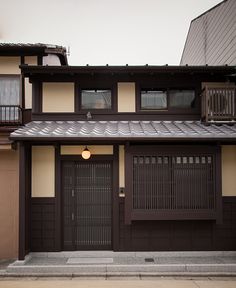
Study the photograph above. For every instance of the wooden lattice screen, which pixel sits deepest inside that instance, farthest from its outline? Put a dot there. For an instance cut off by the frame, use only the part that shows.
(173, 183)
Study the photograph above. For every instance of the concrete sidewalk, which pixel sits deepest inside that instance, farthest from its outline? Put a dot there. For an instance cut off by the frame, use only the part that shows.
(136, 264)
(121, 283)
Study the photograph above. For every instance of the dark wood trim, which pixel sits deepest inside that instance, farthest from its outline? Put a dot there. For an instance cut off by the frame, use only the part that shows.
(128, 185)
(58, 210)
(40, 60)
(42, 200)
(22, 91)
(22, 197)
(22, 60)
(229, 199)
(170, 149)
(145, 69)
(76, 97)
(135, 140)
(115, 203)
(28, 181)
(36, 98)
(173, 215)
(26, 115)
(76, 116)
(218, 175)
(91, 159)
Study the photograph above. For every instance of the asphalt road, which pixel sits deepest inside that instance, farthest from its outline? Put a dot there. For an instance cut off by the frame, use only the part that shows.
(119, 283)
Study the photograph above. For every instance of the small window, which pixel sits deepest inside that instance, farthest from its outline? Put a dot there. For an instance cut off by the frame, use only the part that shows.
(182, 98)
(153, 100)
(96, 99)
(9, 99)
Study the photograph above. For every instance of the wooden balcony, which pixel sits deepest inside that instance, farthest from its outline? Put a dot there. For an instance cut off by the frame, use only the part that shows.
(10, 115)
(219, 104)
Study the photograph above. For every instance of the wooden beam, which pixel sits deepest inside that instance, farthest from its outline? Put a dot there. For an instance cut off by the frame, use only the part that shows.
(58, 233)
(115, 229)
(22, 199)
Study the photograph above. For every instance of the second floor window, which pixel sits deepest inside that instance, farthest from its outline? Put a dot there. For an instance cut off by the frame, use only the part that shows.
(9, 98)
(182, 98)
(170, 99)
(96, 99)
(151, 100)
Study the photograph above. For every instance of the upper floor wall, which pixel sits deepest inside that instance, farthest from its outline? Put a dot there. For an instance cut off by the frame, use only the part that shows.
(15, 89)
(166, 95)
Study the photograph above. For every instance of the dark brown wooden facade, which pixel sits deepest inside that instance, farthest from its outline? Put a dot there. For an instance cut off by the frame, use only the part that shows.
(173, 197)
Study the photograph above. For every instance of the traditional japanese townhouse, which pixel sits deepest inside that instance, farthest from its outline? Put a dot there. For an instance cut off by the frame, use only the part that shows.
(15, 110)
(128, 158)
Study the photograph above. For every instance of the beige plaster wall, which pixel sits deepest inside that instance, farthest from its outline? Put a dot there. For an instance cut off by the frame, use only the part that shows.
(58, 97)
(31, 60)
(9, 65)
(9, 202)
(229, 170)
(43, 171)
(126, 97)
(28, 94)
(94, 149)
(122, 166)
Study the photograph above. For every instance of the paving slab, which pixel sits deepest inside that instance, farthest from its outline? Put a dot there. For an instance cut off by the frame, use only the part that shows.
(88, 260)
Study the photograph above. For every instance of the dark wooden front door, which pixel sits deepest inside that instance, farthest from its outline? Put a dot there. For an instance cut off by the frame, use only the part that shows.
(87, 209)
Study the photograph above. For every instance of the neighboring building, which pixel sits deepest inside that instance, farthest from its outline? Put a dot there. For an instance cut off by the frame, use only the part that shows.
(212, 37)
(15, 111)
(161, 175)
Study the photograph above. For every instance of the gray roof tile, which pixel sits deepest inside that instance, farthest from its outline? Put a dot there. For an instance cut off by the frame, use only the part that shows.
(124, 130)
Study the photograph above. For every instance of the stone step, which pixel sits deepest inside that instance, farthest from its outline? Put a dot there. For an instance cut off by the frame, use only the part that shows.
(112, 254)
(123, 269)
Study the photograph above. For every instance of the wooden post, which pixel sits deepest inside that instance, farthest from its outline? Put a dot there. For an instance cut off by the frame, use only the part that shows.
(22, 199)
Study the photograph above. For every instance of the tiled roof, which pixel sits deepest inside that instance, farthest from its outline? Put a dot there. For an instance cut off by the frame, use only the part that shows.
(29, 49)
(30, 45)
(155, 130)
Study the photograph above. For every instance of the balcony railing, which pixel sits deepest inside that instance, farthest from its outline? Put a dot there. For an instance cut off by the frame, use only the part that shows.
(219, 104)
(10, 115)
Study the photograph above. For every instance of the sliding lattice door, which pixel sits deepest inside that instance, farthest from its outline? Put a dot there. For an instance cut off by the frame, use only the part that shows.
(87, 191)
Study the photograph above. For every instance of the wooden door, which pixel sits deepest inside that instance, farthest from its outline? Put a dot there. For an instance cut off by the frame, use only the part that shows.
(87, 209)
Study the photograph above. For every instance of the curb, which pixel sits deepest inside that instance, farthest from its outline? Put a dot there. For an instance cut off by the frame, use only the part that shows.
(107, 275)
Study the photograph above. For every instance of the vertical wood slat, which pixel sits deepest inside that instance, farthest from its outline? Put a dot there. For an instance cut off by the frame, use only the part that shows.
(218, 103)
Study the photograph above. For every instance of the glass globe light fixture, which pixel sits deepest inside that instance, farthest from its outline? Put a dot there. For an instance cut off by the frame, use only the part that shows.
(86, 154)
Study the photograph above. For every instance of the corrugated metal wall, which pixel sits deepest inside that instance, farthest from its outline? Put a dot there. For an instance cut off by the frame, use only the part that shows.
(212, 37)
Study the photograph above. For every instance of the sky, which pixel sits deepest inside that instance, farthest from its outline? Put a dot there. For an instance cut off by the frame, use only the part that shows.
(99, 32)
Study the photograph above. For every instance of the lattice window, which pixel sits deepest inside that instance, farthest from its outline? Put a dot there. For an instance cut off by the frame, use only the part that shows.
(173, 182)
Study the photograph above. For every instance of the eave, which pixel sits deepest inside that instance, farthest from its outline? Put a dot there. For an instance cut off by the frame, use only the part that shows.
(146, 69)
